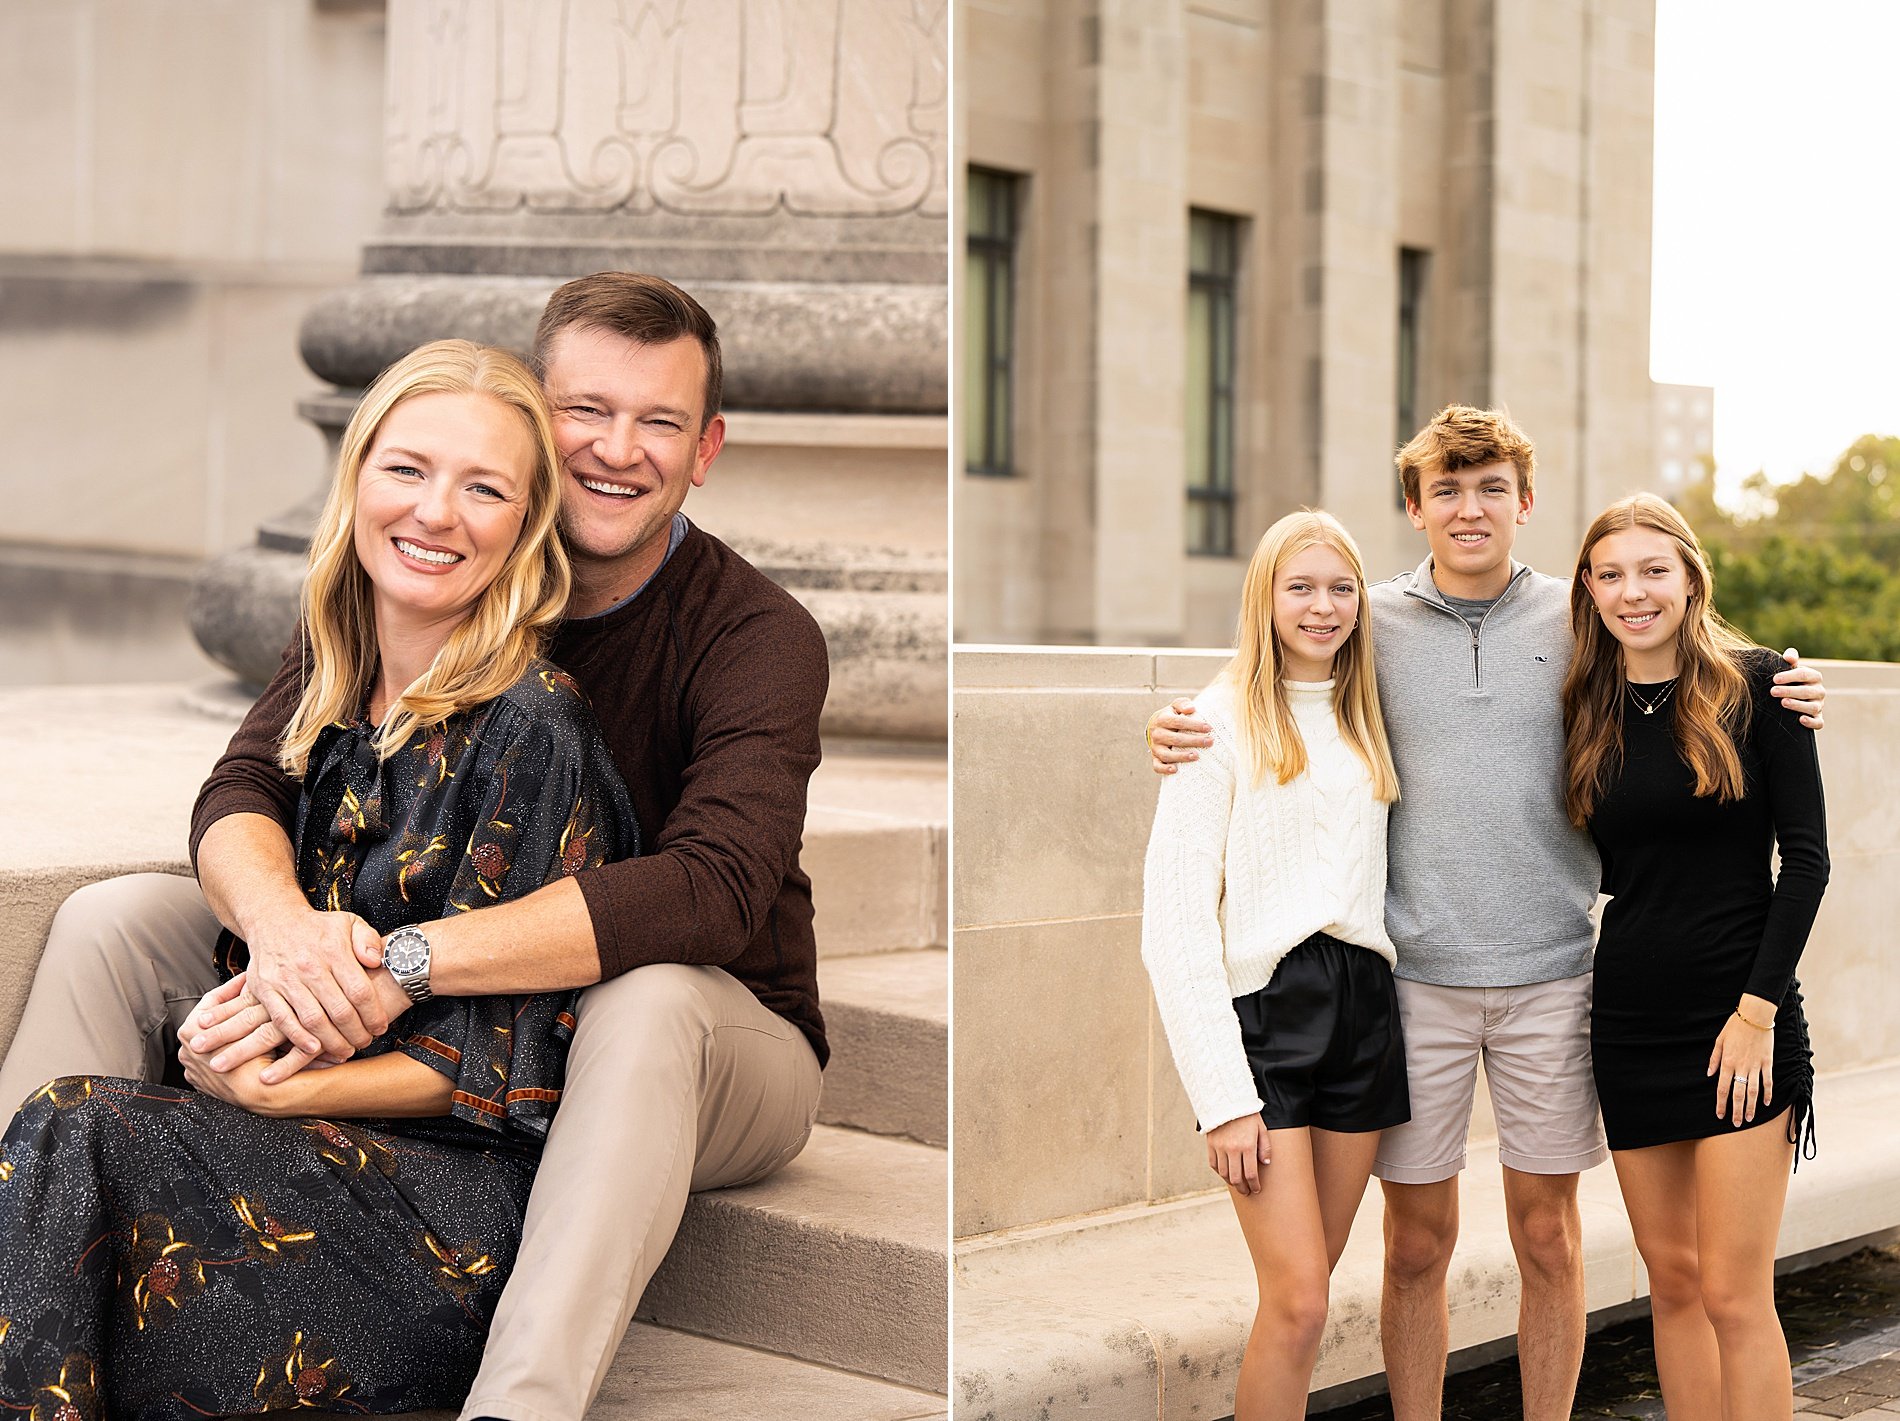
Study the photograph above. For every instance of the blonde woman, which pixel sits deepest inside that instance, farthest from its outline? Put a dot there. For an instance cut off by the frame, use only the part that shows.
(1689, 779)
(339, 1239)
(1264, 935)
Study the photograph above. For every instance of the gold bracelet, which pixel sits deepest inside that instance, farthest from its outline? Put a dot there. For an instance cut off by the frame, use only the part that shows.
(1746, 1022)
(1149, 736)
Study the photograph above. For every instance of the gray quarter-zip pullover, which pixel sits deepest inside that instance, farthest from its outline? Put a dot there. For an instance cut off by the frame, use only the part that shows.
(1487, 884)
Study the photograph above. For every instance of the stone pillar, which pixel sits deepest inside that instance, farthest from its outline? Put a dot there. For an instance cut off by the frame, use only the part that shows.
(1357, 255)
(785, 160)
(1140, 257)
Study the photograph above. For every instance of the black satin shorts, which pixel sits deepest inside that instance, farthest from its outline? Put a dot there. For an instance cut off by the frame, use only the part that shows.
(1323, 1040)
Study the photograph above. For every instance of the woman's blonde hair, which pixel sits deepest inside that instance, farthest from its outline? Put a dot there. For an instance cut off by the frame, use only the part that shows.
(508, 625)
(1267, 726)
(1712, 705)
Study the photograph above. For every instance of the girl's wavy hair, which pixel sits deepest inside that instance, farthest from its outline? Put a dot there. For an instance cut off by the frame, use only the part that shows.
(1712, 703)
(509, 623)
(1258, 669)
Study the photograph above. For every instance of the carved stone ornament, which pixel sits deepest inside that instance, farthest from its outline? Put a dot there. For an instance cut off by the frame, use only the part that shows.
(820, 108)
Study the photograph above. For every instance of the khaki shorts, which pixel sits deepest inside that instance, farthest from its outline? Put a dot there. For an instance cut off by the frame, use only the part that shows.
(1535, 1041)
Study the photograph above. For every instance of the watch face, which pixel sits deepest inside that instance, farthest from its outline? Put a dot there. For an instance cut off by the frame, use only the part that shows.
(404, 953)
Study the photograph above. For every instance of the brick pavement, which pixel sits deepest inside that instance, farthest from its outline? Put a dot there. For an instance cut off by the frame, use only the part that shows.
(1867, 1392)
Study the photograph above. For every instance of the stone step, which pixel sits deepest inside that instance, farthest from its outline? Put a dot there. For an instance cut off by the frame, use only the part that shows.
(887, 1016)
(99, 780)
(1094, 1318)
(661, 1374)
(839, 1258)
(877, 849)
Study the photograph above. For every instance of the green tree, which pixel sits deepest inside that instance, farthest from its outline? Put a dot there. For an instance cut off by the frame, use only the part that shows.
(1814, 563)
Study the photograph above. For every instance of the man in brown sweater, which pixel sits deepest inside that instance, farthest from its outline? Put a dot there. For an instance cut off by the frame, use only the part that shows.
(695, 1061)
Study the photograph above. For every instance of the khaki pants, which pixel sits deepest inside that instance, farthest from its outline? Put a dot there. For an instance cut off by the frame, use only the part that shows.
(678, 1079)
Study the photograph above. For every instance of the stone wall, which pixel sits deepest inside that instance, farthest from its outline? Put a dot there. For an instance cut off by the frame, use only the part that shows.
(178, 183)
(1066, 1101)
(1509, 139)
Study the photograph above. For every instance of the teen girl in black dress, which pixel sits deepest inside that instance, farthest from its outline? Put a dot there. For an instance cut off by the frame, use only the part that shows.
(1689, 776)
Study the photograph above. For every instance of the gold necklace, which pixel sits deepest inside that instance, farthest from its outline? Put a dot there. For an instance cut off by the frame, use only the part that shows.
(1649, 707)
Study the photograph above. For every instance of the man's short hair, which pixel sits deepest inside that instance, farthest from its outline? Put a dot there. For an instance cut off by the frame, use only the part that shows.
(1461, 437)
(648, 310)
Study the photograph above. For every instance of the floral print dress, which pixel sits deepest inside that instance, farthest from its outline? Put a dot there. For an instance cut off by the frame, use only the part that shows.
(164, 1254)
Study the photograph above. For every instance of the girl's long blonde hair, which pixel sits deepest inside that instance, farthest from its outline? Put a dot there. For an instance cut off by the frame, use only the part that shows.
(505, 629)
(1267, 726)
(1712, 704)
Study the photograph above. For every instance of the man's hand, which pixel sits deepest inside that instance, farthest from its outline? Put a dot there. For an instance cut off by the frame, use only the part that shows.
(1238, 1151)
(1799, 690)
(308, 973)
(229, 1029)
(1175, 736)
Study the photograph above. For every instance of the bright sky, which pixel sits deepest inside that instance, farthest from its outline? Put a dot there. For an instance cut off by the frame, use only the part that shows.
(1777, 224)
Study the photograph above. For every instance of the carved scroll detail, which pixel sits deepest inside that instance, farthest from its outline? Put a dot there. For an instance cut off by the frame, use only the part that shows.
(835, 108)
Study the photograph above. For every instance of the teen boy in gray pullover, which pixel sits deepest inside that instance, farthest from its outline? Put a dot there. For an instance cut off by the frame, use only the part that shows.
(1488, 892)
(1449, 685)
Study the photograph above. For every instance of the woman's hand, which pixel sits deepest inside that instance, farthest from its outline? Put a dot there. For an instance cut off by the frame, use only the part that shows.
(243, 1085)
(1175, 736)
(230, 1027)
(1238, 1151)
(1743, 1062)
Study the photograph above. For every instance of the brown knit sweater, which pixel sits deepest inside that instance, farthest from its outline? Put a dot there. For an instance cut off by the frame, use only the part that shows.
(708, 687)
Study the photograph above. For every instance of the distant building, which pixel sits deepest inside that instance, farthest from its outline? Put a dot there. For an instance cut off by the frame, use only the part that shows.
(1221, 256)
(1685, 436)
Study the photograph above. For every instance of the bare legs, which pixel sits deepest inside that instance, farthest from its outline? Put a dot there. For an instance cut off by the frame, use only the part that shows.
(1547, 1238)
(1421, 1229)
(1659, 1192)
(1705, 1214)
(1296, 1228)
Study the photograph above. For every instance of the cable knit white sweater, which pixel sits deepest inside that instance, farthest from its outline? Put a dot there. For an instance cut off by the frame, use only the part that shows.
(1239, 873)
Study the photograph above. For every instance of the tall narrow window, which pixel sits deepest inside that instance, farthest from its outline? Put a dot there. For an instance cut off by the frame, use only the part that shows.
(1213, 268)
(989, 321)
(1413, 266)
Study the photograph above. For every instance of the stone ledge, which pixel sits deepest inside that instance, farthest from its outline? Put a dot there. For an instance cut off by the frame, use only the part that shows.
(775, 429)
(1144, 1313)
(887, 1016)
(864, 346)
(661, 1374)
(838, 1258)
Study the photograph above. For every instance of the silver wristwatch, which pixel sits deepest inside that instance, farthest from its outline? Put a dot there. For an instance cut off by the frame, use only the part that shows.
(406, 955)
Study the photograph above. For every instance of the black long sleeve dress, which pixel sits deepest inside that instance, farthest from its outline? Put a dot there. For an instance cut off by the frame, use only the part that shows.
(1696, 919)
(164, 1254)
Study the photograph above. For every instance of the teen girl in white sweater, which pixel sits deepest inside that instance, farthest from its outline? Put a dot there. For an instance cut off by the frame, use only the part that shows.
(1264, 935)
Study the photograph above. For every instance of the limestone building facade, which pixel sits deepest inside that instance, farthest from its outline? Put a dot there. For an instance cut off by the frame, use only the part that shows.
(1221, 256)
(178, 183)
